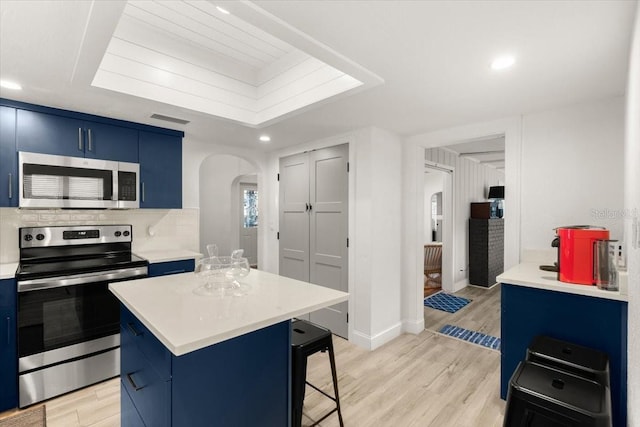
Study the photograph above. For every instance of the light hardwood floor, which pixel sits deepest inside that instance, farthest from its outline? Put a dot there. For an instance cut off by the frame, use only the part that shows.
(482, 314)
(414, 380)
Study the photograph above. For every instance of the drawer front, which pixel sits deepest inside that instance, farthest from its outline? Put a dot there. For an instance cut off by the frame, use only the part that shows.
(133, 332)
(129, 416)
(150, 394)
(171, 267)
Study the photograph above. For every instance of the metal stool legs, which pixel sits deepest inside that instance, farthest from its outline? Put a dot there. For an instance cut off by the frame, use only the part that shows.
(322, 341)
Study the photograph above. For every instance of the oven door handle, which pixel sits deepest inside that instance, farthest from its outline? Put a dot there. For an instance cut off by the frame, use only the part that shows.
(81, 279)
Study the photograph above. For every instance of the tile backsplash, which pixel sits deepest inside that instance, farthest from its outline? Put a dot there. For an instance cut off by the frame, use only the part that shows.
(153, 229)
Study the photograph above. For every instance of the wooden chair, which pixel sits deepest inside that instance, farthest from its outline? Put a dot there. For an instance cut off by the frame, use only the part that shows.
(433, 265)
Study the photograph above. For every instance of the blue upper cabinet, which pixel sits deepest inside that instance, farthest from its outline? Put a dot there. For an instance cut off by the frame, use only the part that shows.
(53, 134)
(46, 130)
(111, 142)
(8, 158)
(160, 170)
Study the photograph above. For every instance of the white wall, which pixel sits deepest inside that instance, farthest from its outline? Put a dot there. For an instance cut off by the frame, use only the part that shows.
(540, 149)
(374, 230)
(219, 200)
(153, 229)
(433, 183)
(471, 183)
(385, 206)
(194, 153)
(572, 170)
(632, 205)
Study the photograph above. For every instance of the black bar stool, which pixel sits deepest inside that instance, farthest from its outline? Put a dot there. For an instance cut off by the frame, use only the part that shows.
(306, 339)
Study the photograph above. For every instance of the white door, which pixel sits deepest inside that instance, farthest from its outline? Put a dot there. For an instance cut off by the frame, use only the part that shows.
(313, 225)
(249, 222)
(329, 184)
(294, 217)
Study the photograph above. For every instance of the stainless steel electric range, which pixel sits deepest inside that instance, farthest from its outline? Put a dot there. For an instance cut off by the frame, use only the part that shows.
(68, 320)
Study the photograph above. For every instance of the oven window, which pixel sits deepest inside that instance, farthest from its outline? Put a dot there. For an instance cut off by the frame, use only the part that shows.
(58, 317)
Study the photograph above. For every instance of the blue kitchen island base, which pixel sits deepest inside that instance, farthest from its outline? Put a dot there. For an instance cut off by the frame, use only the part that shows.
(593, 322)
(243, 381)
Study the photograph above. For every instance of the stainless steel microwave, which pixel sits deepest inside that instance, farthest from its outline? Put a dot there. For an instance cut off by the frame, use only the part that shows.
(48, 181)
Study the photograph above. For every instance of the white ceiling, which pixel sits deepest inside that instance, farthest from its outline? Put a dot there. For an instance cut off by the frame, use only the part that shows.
(190, 54)
(432, 55)
(488, 150)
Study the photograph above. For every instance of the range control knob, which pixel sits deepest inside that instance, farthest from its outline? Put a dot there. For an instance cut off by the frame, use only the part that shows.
(40, 236)
(28, 237)
(126, 233)
(117, 234)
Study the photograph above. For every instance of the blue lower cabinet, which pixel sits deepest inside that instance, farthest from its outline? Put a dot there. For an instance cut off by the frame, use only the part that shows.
(240, 382)
(597, 323)
(150, 393)
(129, 415)
(8, 346)
(171, 267)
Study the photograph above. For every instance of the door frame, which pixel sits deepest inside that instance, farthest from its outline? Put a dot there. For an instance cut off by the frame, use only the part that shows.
(448, 213)
(241, 187)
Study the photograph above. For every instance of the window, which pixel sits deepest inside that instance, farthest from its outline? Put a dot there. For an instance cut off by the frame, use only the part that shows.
(250, 208)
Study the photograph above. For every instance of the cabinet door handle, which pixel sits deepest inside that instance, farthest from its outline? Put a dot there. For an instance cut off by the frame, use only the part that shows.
(89, 140)
(310, 207)
(80, 139)
(11, 186)
(133, 383)
(133, 330)
(166, 273)
(306, 207)
(143, 191)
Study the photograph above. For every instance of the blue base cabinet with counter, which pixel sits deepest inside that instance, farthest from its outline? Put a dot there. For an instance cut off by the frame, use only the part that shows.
(8, 346)
(243, 381)
(593, 322)
(171, 267)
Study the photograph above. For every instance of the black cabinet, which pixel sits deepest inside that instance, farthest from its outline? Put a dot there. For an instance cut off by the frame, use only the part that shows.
(8, 158)
(8, 346)
(486, 250)
(160, 171)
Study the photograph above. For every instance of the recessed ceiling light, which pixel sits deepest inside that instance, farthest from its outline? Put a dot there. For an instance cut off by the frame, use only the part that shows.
(10, 85)
(223, 10)
(503, 62)
(265, 138)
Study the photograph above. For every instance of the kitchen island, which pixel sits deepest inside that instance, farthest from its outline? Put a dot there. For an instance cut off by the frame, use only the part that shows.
(534, 302)
(207, 361)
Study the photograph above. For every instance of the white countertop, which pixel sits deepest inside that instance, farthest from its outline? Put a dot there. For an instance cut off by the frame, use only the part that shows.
(184, 321)
(530, 275)
(155, 256)
(8, 271)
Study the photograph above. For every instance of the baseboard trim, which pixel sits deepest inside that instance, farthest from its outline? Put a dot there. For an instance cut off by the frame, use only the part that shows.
(460, 285)
(372, 342)
(413, 326)
(483, 287)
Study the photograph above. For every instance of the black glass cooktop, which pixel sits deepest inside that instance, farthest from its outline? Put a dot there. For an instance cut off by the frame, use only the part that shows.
(57, 267)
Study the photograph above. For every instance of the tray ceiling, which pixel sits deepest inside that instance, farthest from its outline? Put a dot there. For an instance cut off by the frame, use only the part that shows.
(192, 55)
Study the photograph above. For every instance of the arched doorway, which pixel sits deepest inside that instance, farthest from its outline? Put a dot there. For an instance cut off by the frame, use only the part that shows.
(220, 180)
